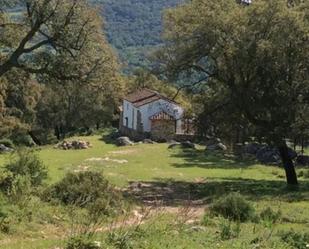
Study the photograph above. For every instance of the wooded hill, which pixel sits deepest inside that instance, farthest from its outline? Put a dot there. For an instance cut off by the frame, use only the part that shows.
(134, 26)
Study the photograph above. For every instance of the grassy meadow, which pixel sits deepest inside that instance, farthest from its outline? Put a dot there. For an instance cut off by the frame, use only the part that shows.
(178, 178)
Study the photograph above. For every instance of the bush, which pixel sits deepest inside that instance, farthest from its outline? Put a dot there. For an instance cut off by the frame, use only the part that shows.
(229, 230)
(270, 215)
(81, 242)
(295, 239)
(304, 174)
(29, 165)
(86, 189)
(23, 140)
(233, 207)
(7, 142)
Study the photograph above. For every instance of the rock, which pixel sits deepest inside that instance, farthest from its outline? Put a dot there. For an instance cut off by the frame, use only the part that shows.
(302, 160)
(76, 145)
(124, 141)
(148, 141)
(268, 155)
(4, 149)
(252, 148)
(173, 145)
(188, 145)
(217, 147)
(271, 155)
(213, 141)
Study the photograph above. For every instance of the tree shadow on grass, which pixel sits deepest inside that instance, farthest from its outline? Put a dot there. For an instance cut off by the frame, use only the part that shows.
(210, 160)
(177, 193)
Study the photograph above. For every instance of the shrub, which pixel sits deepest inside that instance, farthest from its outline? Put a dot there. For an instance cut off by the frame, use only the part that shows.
(7, 142)
(4, 225)
(229, 230)
(295, 239)
(303, 173)
(23, 140)
(81, 242)
(86, 189)
(27, 164)
(234, 207)
(270, 215)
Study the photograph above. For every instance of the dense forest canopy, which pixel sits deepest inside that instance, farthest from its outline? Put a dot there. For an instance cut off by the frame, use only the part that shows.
(134, 26)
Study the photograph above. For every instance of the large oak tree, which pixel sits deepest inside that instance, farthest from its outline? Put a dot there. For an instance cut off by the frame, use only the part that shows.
(254, 57)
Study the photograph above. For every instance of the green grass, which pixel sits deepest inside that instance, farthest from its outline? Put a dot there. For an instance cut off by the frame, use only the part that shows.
(208, 176)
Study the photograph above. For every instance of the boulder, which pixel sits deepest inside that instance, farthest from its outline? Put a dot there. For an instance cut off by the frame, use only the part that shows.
(302, 160)
(188, 145)
(174, 145)
(76, 145)
(271, 155)
(217, 147)
(268, 155)
(252, 148)
(148, 141)
(212, 141)
(4, 149)
(124, 141)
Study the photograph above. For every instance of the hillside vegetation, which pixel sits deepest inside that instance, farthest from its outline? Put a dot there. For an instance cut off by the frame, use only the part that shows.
(133, 26)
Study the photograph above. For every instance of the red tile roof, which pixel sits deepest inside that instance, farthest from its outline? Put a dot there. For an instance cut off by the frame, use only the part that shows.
(145, 96)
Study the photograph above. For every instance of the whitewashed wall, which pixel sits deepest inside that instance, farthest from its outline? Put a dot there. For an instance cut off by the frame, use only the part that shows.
(149, 110)
(157, 106)
(128, 110)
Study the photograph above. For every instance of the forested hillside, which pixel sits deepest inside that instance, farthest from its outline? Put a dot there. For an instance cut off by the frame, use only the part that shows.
(134, 26)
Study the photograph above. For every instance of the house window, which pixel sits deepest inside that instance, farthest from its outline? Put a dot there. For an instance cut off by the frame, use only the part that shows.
(127, 121)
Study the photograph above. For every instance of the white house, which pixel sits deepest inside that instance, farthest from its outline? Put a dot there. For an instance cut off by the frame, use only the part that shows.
(147, 111)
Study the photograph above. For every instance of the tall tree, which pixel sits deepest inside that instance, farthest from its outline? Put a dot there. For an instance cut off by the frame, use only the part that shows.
(43, 32)
(256, 56)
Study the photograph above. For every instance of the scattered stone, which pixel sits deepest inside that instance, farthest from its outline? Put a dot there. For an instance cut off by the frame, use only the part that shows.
(183, 145)
(217, 147)
(174, 145)
(302, 160)
(148, 141)
(188, 145)
(252, 148)
(4, 149)
(124, 141)
(268, 155)
(212, 141)
(73, 145)
(271, 155)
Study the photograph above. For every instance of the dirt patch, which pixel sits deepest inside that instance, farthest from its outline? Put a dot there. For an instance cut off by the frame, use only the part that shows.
(82, 168)
(167, 194)
(123, 152)
(106, 159)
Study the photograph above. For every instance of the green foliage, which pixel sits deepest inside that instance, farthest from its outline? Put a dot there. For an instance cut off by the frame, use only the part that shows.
(269, 215)
(4, 224)
(23, 140)
(27, 164)
(81, 242)
(87, 189)
(228, 230)
(304, 173)
(134, 27)
(7, 142)
(296, 240)
(234, 207)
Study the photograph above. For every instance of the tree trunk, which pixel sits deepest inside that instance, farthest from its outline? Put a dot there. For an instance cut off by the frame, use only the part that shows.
(34, 138)
(288, 164)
